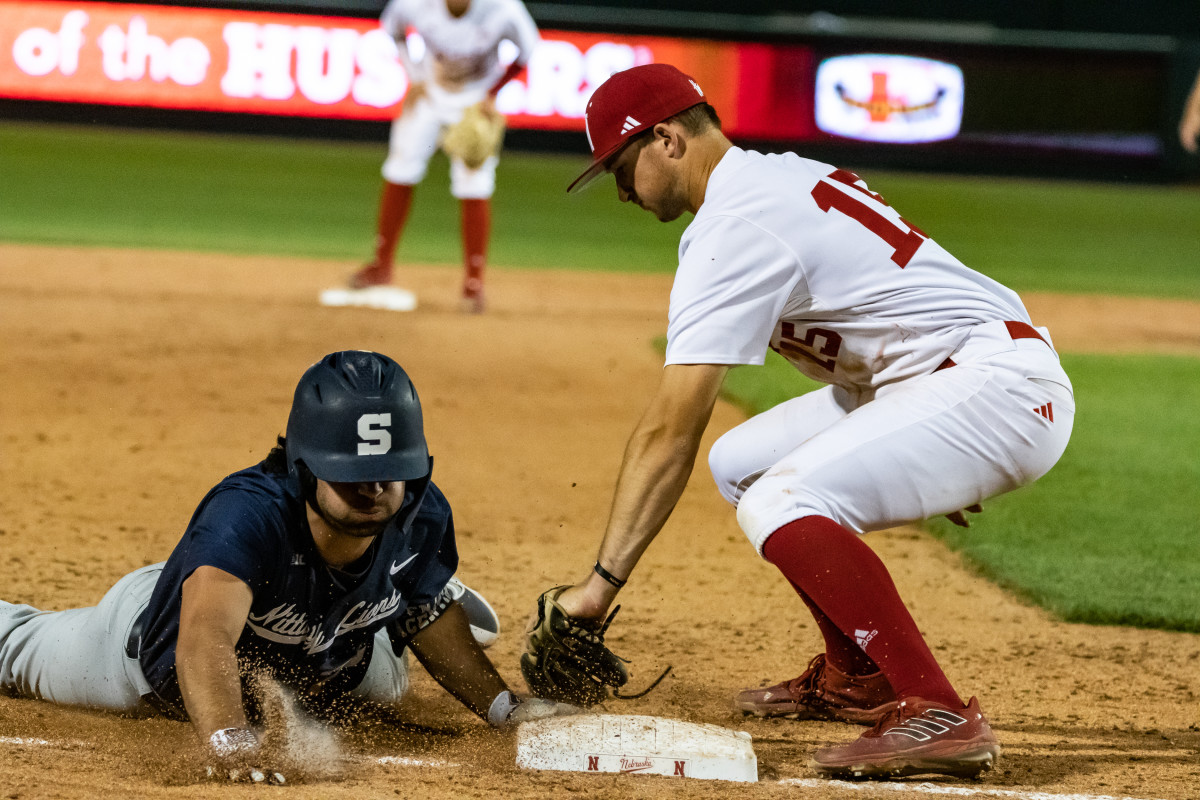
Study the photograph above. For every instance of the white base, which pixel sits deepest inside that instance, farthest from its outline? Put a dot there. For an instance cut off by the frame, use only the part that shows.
(388, 298)
(640, 744)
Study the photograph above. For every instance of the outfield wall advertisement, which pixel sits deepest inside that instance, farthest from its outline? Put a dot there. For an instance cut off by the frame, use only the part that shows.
(1004, 103)
(346, 68)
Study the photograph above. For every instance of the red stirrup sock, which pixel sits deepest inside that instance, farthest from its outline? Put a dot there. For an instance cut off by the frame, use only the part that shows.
(844, 578)
(394, 205)
(476, 227)
(841, 652)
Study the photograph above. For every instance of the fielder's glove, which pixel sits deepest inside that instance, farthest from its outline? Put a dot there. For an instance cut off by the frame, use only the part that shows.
(237, 754)
(476, 137)
(566, 659)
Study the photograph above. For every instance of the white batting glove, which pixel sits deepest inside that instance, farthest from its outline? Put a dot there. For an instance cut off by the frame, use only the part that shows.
(508, 710)
(238, 757)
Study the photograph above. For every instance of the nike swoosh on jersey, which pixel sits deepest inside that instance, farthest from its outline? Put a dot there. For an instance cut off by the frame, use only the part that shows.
(397, 567)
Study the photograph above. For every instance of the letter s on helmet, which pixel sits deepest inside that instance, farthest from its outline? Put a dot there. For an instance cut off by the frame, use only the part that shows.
(356, 418)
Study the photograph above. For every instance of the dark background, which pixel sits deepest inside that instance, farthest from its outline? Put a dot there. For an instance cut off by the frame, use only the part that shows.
(1165, 17)
(1043, 67)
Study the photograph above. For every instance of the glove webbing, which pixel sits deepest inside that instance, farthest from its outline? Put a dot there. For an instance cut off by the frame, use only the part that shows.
(596, 636)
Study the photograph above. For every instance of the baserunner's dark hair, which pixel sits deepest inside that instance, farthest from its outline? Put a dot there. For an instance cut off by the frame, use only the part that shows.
(276, 461)
(276, 464)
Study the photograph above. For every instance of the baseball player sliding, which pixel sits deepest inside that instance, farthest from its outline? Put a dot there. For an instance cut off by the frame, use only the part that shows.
(460, 69)
(940, 393)
(319, 567)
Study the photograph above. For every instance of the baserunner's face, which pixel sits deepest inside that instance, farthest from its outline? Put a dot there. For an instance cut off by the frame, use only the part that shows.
(359, 509)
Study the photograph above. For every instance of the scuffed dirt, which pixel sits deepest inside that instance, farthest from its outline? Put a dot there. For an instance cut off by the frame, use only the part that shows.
(134, 380)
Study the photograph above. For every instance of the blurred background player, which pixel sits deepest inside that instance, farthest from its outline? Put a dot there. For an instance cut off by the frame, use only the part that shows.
(1189, 124)
(459, 67)
(318, 567)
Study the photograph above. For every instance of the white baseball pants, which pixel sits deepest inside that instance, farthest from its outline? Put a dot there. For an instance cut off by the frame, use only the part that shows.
(997, 420)
(416, 135)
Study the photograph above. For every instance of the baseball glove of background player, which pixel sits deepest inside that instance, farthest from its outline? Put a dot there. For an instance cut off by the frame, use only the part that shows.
(476, 137)
(566, 659)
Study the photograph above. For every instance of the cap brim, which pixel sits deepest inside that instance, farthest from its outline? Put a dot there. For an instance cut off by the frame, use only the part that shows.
(590, 174)
(600, 163)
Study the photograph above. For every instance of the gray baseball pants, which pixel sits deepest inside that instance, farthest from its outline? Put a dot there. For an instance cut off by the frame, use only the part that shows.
(77, 657)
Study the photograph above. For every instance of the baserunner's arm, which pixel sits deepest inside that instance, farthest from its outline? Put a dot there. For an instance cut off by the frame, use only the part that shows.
(213, 614)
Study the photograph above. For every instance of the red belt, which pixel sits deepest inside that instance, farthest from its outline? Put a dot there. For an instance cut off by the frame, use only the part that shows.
(1017, 330)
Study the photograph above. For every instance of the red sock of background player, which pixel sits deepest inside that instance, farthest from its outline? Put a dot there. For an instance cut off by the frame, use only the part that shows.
(394, 204)
(844, 578)
(476, 227)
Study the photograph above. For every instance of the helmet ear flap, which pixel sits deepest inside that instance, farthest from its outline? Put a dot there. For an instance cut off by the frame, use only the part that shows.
(308, 483)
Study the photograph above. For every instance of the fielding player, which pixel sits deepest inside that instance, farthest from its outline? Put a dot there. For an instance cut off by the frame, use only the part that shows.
(317, 566)
(940, 393)
(460, 67)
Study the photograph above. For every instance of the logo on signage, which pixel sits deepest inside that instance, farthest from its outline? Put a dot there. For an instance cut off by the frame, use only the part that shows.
(887, 98)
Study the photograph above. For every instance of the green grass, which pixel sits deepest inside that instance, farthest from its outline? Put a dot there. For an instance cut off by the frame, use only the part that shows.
(1109, 535)
(1135, 239)
(111, 187)
(101, 186)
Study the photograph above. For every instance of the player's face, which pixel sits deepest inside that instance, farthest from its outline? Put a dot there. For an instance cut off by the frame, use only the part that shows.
(359, 509)
(647, 177)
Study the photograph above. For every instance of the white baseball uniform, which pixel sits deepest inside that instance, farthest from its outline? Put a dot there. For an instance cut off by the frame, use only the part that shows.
(941, 392)
(457, 65)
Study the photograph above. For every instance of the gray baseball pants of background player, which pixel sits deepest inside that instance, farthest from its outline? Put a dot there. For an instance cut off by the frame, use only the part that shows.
(80, 657)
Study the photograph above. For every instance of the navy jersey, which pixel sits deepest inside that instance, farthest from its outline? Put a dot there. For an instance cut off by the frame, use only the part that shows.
(310, 626)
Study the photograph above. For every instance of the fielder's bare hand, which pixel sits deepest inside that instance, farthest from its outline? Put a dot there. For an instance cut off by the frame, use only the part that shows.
(959, 518)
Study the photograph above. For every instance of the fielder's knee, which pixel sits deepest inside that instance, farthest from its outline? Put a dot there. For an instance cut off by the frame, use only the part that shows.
(403, 170)
(473, 184)
(769, 504)
(726, 462)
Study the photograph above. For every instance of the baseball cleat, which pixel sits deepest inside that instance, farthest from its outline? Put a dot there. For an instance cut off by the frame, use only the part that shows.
(918, 737)
(485, 624)
(372, 274)
(822, 692)
(472, 303)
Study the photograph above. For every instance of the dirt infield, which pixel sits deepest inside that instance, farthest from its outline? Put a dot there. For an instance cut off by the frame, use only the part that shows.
(133, 381)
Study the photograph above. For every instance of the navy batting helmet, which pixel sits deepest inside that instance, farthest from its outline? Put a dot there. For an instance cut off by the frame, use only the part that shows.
(356, 418)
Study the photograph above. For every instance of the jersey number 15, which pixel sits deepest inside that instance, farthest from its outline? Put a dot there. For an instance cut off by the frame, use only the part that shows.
(904, 242)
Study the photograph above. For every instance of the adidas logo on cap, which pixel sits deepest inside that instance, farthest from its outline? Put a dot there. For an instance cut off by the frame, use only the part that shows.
(630, 124)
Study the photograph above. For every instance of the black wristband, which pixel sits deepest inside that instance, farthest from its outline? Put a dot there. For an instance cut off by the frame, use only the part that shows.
(608, 576)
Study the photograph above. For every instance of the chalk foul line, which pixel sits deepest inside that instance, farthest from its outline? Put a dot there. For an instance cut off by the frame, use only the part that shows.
(940, 789)
(934, 789)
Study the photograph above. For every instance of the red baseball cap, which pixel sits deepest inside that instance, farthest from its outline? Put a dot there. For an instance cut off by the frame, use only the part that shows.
(628, 103)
